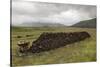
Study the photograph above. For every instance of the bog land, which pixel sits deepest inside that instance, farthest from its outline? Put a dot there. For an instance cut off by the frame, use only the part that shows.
(83, 51)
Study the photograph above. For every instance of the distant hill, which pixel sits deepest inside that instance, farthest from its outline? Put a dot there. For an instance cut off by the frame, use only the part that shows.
(86, 24)
(41, 24)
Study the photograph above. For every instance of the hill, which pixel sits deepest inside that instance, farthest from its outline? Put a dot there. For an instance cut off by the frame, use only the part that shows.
(86, 24)
(41, 24)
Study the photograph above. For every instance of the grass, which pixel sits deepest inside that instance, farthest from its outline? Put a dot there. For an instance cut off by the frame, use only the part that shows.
(83, 51)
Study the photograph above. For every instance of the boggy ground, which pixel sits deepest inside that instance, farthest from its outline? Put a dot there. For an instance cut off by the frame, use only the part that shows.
(83, 51)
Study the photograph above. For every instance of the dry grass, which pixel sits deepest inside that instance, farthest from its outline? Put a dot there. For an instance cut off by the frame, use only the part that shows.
(83, 51)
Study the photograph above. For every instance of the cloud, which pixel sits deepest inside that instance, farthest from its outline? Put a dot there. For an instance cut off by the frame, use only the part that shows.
(68, 14)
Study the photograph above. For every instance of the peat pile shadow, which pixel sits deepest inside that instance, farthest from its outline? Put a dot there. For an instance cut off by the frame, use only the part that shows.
(49, 41)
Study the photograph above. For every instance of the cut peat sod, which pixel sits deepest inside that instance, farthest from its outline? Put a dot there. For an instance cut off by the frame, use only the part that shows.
(49, 41)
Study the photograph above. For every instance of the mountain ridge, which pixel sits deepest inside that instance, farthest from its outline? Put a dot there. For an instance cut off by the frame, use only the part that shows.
(41, 24)
(91, 23)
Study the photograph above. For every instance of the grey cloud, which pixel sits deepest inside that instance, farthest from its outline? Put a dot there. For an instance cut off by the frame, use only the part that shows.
(68, 14)
(36, 8)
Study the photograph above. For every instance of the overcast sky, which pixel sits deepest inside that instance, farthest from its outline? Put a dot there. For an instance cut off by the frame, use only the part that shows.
(68, 14)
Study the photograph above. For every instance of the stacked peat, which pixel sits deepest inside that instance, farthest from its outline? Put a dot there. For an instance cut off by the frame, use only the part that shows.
(23, 46)
(49, 41)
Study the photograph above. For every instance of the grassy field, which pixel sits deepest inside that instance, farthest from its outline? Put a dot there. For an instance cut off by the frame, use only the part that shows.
(83, 51)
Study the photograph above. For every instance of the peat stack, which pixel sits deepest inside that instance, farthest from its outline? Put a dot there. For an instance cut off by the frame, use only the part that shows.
(23, 46)
(49, 41)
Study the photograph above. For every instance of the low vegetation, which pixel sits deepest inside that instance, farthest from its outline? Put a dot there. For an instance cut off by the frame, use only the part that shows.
(83, 51)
